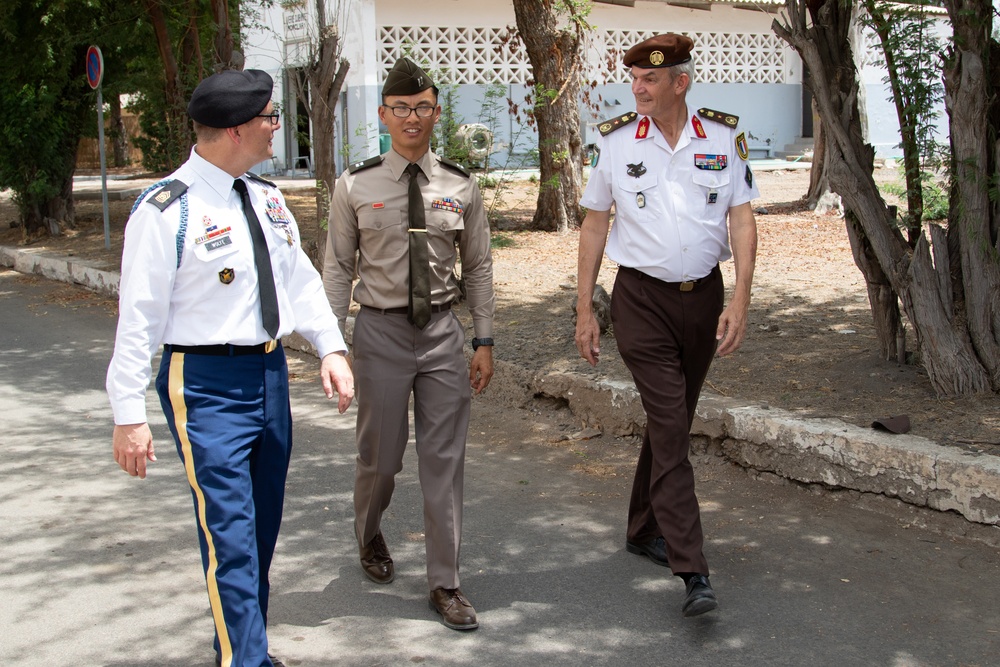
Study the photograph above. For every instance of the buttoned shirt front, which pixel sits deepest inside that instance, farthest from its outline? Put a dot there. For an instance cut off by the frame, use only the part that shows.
(671, 203)
(368, 234)
(211, 297)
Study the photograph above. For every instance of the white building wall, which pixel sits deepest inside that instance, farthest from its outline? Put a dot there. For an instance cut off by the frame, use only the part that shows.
(375, 32)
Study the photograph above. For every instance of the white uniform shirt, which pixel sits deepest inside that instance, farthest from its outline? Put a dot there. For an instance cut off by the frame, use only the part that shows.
(193, 304)
(670, 219)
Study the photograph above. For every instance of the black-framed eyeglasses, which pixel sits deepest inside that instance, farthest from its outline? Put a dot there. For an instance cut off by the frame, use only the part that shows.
(275, 116)
(404, 111)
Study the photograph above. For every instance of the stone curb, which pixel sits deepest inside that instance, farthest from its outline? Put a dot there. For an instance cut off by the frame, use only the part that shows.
(814, 451)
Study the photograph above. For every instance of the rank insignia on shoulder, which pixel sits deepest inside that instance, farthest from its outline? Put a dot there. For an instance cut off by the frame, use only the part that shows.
(226, 276)
(612, 124)
(454, 166)
(370, 162)
(168, 194)
(741, 146)
(727, 119)
(254, 177)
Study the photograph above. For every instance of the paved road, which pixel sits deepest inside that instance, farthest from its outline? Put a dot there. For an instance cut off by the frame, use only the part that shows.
(97, 568)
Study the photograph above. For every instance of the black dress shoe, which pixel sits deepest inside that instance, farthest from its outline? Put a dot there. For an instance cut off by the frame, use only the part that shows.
(456, 611)
(655, 550)
(275, 661)
(700, 596)
(376, 562)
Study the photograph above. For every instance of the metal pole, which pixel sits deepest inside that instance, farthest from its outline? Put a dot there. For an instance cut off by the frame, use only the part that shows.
(104, 171)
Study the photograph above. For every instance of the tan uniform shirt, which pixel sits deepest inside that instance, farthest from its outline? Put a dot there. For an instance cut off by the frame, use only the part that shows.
(368, 231)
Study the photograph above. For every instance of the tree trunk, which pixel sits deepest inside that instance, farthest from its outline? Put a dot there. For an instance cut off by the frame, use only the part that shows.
(947, 351)
(119, 137)
(819, 184)
(555, 58)
(223, 35)
(178, 135)
(191, 46)
(971, 97)
(318, 86)
(882, 298)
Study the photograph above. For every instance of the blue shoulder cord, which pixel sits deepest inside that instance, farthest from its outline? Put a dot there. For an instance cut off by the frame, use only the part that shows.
(182, 230)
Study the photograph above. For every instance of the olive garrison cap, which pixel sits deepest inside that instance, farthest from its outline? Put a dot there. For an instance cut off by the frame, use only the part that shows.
(664, 50)
(406, 78)
(230, 98)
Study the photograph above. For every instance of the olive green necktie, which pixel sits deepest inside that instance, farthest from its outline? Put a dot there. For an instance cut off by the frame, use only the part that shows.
(419, 306)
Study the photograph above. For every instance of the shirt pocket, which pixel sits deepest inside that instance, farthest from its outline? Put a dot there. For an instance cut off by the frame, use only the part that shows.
(638, 198)
(382, 233)
(714, 187)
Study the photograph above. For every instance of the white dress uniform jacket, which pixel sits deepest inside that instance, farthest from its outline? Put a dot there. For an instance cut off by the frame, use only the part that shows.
(670, 203)
(211, 297)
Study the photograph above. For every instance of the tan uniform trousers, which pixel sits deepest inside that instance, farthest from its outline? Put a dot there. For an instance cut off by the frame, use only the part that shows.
(393, 358)
(667, 339)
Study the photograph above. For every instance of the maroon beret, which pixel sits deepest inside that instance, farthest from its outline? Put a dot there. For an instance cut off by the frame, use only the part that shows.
(664, 50)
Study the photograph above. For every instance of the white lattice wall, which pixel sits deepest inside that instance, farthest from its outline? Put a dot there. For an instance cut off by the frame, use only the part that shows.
(484, 55)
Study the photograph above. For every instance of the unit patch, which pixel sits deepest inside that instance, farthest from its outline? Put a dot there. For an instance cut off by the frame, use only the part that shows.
(741, 146)
(749, 177)
(226, 276)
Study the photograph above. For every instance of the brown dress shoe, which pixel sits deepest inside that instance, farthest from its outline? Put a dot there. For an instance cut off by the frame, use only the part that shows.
(456, 612)
(376, 562)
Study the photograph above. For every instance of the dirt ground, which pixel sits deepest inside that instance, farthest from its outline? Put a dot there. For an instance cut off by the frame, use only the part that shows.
(810, 346)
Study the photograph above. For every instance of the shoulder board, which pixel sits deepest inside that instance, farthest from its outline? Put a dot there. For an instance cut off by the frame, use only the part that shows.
(727, 119)
(370, 162)
(167, 194)
(254, 177)
(454, 166)
(612, 124)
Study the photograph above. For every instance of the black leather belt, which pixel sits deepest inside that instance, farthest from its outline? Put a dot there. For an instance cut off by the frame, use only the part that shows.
(402, 310)
(686, 286)
(224, 350)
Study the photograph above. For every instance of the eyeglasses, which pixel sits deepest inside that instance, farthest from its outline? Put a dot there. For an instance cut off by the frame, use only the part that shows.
(404, 112)
(275, 116)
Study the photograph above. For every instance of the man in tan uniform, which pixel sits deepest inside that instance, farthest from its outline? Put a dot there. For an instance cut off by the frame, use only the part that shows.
(406, 339)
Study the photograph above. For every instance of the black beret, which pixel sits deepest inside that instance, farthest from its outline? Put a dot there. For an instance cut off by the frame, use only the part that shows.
(664, 50)
(406, 78)
(230, 97)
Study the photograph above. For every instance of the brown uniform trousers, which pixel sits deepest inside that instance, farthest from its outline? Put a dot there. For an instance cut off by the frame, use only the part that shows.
(667, 339)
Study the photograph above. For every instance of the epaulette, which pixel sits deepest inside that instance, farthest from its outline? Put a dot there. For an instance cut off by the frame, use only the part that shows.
(168, 194)
(726, 119)
(370, 162)
(254, 177)
(454, 166)
(612, 124)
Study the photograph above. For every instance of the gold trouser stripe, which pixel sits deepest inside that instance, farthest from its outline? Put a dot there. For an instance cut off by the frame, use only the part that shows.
(176, 390)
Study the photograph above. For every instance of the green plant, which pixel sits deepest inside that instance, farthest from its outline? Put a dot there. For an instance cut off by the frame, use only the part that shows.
(502, 241)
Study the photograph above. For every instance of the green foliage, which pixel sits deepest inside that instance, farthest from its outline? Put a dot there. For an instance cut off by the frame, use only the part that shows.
(502, 241)
(935, 197)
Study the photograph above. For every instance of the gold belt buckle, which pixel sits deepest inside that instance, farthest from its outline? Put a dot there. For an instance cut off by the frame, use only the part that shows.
(687, 286)
(270, 346)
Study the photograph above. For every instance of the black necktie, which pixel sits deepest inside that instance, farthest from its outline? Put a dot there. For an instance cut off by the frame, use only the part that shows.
(419, 307)
(262, 259)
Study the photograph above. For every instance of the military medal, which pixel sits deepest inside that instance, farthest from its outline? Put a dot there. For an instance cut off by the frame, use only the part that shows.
(226, 276)
(276, 213)
(710, 162)
(636, 170)
(640, 200)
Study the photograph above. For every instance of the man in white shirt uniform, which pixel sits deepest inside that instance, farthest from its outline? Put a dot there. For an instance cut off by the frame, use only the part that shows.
(213, 269)
(675, 177)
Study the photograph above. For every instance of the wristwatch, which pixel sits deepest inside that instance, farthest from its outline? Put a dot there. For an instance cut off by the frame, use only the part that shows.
(477, 342)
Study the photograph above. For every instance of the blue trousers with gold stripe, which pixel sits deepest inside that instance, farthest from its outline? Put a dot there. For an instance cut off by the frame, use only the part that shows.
(231, 419)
